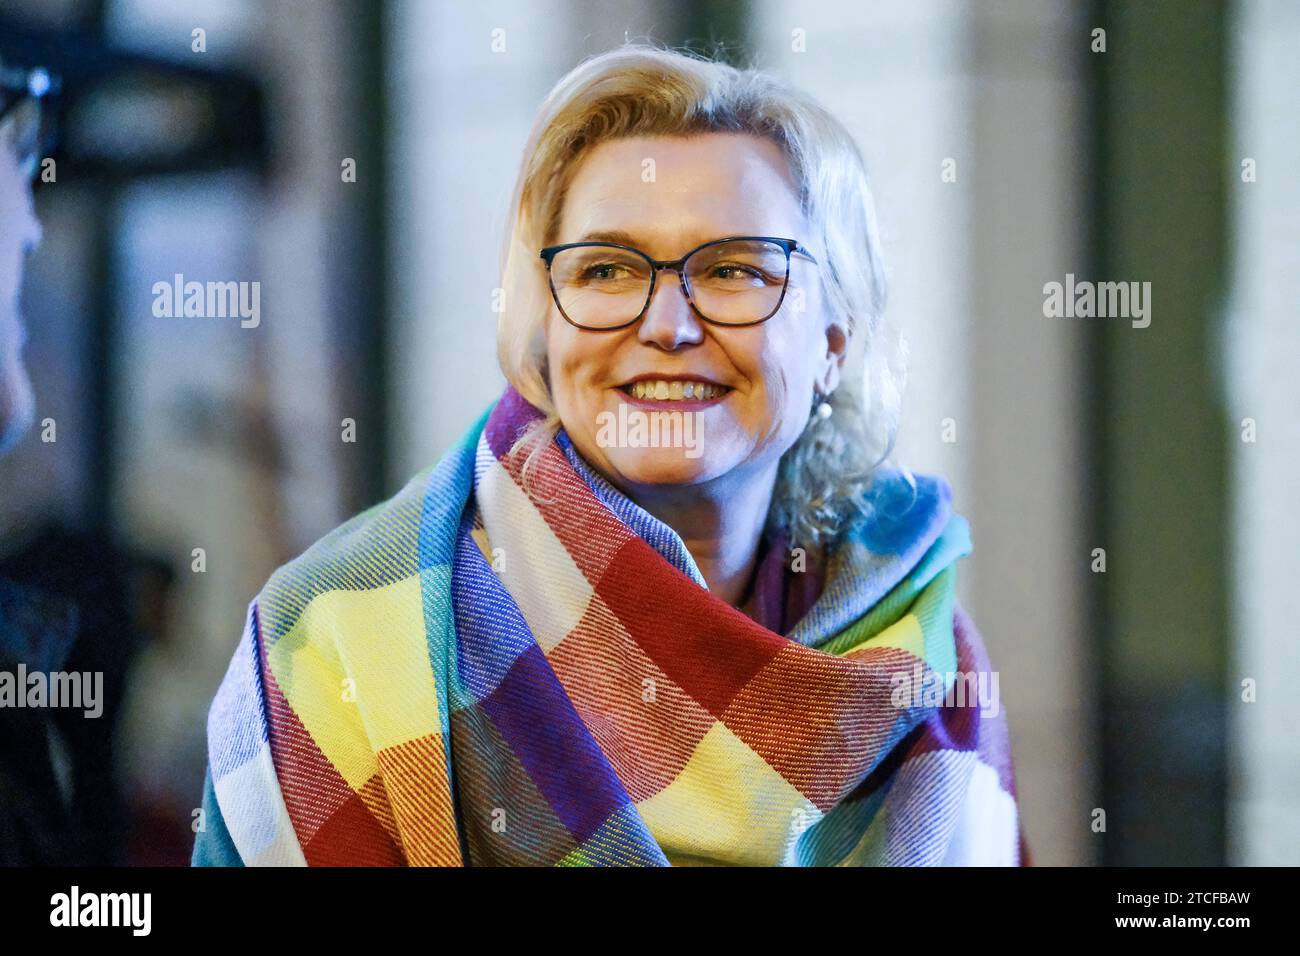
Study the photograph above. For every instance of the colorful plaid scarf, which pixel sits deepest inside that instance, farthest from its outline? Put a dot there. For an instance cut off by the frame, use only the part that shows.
(470, 675)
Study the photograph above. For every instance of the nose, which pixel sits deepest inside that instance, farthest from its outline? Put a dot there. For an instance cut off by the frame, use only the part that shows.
(669, 321)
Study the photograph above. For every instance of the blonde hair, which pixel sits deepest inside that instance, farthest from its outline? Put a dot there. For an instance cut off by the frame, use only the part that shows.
(645, 90)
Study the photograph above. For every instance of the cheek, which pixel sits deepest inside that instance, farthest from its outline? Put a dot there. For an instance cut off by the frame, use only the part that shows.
(783, 369)
(562, 357)
(575, 363)
(785, 366)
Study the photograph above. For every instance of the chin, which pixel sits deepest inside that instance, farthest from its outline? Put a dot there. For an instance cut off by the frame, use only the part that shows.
(660, 466)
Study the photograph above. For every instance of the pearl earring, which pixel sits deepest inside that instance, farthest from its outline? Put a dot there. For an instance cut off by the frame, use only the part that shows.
(821, 408)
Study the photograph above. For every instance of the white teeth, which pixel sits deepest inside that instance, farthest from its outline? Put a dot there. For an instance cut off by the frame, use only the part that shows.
(662, 390)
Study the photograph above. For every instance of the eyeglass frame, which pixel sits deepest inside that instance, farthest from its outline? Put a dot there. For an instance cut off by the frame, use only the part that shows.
(790, 246)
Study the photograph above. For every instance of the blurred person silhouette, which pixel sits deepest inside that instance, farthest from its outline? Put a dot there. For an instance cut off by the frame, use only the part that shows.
(36, 630)
(64, 597)
(19, 135)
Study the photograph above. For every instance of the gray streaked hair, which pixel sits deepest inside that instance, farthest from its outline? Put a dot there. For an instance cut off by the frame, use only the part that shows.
(646, 90)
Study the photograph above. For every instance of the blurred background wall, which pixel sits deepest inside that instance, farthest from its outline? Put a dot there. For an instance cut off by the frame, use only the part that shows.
(1006, 151)
(1258, 345)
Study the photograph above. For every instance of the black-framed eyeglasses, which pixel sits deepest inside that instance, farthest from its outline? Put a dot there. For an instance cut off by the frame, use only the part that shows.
(733, 281)
(25, 127)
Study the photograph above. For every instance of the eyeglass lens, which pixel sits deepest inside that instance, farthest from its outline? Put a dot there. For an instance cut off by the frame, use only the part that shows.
(733, 283)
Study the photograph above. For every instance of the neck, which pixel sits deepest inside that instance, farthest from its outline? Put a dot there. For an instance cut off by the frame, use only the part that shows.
(720, 522)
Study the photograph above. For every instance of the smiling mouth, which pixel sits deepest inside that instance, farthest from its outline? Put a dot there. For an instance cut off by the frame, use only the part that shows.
(676, 390)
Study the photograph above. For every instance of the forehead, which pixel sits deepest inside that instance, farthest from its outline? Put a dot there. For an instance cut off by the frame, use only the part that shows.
(674, 192)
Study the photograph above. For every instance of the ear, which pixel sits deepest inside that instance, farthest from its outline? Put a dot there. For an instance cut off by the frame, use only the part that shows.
(830, 364)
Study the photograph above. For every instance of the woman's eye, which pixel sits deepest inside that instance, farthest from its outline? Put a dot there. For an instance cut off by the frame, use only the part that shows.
(603, 271)
(735, 271)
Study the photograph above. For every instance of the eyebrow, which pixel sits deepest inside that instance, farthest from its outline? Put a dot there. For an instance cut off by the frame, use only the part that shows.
(609, 235)
(624, 238)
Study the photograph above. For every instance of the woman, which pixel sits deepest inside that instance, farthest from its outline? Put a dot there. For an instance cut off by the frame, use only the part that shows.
(664, 603)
